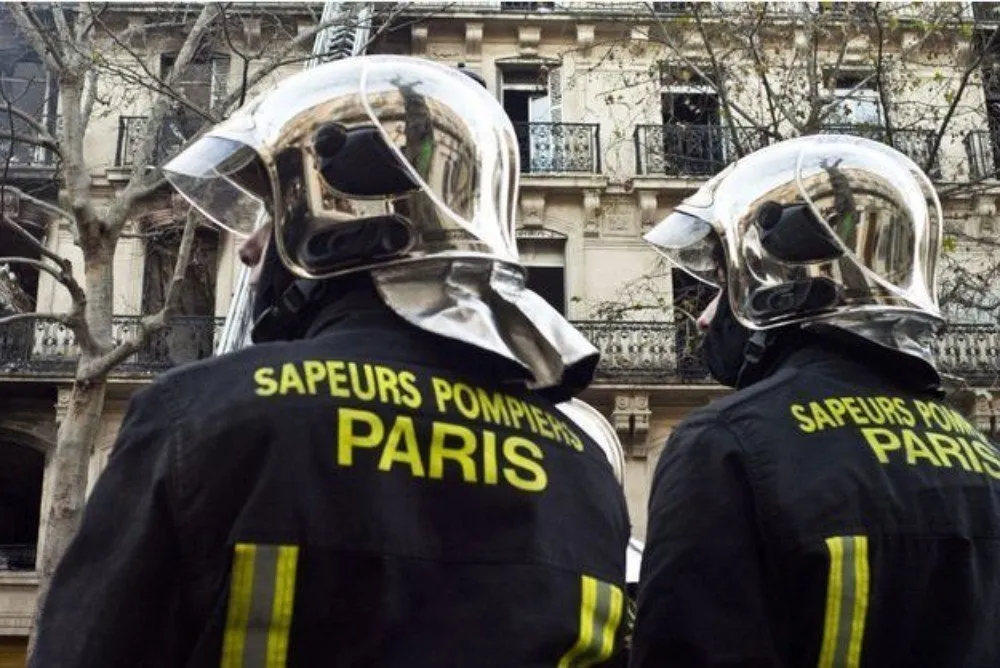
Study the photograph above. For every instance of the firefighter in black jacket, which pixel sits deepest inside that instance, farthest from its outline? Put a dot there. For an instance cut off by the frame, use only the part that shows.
(384, 480)
(832, 512)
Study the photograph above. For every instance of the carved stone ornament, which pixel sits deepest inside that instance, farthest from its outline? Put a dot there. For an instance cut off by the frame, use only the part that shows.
(532, 208)
(591, 207)
(631, 420)
(528, 38)
(418, 39)
(647, 208)
(584, 37)
(473, 40)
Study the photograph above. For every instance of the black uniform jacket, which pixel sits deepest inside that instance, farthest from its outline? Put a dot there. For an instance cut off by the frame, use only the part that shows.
(366, 497)
(826, 516)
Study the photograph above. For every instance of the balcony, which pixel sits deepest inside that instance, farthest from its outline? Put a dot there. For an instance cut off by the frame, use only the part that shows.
(981, 150)
(38, 348)
(691, 150)
(176, 132)
(548, 148)
(647, 352)
(915, 144)
(654, 352)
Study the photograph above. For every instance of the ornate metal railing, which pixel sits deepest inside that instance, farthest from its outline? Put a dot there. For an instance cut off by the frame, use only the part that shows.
(691, 150)
(652, 352)
(50, 347)
(17, 557)
(559, 147)
(972, 352)
(174, 133)
(631, 351)
(981, 151)
(916, 144)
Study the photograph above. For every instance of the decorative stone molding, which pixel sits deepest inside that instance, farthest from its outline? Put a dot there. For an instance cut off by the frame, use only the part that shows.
(591, 207)
(984, 205)
(418, 39)
(647, 202)
(252, 32)
(528, 38)
(136, 31)
(584, 37)
(473, 40)
(618, 217)
(631, 420)
(62, 403)
(532, 208)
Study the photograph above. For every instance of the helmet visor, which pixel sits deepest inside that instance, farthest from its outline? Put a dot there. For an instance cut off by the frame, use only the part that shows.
(224, 179)
(691, 243)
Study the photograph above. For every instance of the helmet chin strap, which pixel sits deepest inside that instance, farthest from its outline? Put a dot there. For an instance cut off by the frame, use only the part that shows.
(753, 353)
(280, 321)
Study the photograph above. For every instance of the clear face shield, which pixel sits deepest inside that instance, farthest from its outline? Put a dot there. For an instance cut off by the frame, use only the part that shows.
(363, 163)
(813, 228)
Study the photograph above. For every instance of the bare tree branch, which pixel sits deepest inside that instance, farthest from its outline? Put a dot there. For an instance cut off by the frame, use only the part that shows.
(62, 28)
(40, 203)
(8, 107)
(153, 323)
(34, 315)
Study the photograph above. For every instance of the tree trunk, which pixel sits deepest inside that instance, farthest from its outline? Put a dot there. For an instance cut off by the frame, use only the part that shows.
(66, 482)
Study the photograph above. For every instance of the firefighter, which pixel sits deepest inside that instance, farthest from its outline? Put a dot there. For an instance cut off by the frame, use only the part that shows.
(385, 479)
(833, 511)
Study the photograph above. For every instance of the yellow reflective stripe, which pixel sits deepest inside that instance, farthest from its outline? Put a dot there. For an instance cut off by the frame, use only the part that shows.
(601, 606)
(281, 613)
(240, 590)
(862, 583)
(261, 600)
(846, 602)
(610, 625)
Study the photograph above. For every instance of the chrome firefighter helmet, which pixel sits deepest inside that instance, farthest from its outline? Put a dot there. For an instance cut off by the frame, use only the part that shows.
(363, 162)
(819, 230)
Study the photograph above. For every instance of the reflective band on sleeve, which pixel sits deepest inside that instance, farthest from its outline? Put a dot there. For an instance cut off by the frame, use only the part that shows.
(600, 613)
(846, 602)
(261, 598)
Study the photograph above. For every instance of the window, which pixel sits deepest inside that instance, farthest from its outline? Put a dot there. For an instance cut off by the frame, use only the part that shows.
(204, 83)
(858, 100)
(550, 284)
(188, 338)
(694, 141)
(21, 468)
(27, 85)
(531, 94)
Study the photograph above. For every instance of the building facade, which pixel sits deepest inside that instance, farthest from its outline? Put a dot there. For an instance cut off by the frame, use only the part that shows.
(621, 111)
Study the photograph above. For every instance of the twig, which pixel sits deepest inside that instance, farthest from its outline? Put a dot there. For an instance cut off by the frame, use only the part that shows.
(34, 315)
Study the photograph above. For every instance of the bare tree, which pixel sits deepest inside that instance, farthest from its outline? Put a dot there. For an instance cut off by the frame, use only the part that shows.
(102, 57)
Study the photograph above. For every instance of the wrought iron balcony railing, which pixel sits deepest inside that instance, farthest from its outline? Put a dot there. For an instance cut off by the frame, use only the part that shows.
(916, 144)
(655, 352)
(691, 150)
(981, 150)
(559, 147)
(174, 133)
(17, 557)
(651, 352)
(49, 347)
